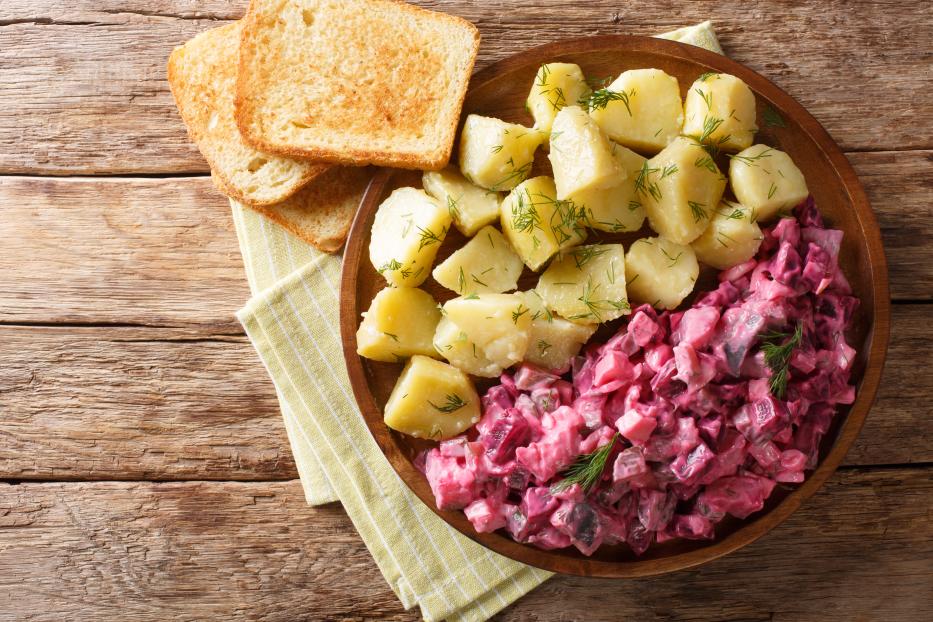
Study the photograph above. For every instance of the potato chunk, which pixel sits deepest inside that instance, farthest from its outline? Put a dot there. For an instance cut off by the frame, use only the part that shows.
(556, 85)
(616, 208)
(680, 188)
(400, 323)
(660, 272)
(641, 109)
(730, 239)
(432, 400)
(408, 229)
(485, 264)
(498, 324)
(581, 155)
(470, 206)
(538, 224)
(587, 284)
(766, 181)
(720, 111)
(554, 341)
(452, 343)
(497, 155)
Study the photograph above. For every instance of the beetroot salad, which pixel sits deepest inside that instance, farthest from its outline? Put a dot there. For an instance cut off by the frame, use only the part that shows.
(678, 420)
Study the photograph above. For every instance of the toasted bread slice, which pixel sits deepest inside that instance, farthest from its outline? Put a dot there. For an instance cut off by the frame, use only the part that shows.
(202, 76)
(356, 81)
(321, 213)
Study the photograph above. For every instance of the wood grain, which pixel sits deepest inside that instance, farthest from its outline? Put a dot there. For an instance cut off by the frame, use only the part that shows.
(129, 403)
(163, 251)
(141, 251)
(81, 115)
(173, 404)
(182, 551)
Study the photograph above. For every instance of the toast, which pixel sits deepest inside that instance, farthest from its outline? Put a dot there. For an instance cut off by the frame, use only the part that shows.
(202, 76)
(354, 82)
(321, 213)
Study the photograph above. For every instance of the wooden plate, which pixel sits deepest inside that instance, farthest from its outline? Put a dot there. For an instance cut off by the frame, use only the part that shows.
(500, 91)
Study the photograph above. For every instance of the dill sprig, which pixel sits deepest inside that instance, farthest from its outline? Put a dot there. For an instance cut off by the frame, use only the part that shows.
(706, 162)
(600, 98)
(595, 307)
(777, 348)
(454, 402)
(519, 311)
(587, 469)
(751, 160)
(643, 183)
(707, 97)
(673, 260)
(392, 264)
(583, 254)
(706, 76)
(452, 207)
(710, 125)
(427, 237)
(697, 210)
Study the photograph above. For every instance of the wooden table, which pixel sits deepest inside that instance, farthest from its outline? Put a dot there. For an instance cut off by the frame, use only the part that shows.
(146, 471)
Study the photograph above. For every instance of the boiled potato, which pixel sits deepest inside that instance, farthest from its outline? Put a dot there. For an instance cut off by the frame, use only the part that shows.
(452, 343)
(432, 400)
(498, 324)
(616, 208)
(497, 155)
(766, 181)
(538, 224)
(485, 264)
(730, 239)
(554, 341)
(680, 188)
(660, 272)
(581, 156)
(641, 109)
(400, 323)
(470, 206)
(556, 85)
(586, 284)
(408, 229)
(720, 111)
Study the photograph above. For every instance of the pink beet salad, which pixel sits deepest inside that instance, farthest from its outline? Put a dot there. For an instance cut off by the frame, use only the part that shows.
(678, 420)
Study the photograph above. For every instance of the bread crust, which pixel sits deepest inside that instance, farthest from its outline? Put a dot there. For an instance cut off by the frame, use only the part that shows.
(432, 159)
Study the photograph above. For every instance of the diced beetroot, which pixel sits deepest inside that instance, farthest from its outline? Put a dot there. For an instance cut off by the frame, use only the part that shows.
(545, 399)
(485, 516)
(696, 371)
(691, 527)
(738, 271)
(655, 509)
(629, 463)
(565, 391)
(557, 448)
(657, 356)
(451, 482)
(596, 439)
(666, 383)
(613, 367)
(537, 504)
(528, 378)
(807, 213)
(696, 327)
(638, 538)
(498, 396)
(590, 407)
(687, 467)
(739, 495)
(786, 265)
(636, 427)
(509, 431)
(732, 452)
(454, 447)
(765, 453)
(762, 419)
(740, 328)
(710, 428)
(549, 538)
(642, 328)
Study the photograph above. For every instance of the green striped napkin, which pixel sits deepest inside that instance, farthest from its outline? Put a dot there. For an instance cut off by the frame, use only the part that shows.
(292, 320)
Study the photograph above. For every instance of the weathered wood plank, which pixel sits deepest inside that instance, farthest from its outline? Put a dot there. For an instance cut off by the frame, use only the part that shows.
(184, 551)
(82, 115)
(162, 251)
(127, 403)
(168, 404)
(147, 251)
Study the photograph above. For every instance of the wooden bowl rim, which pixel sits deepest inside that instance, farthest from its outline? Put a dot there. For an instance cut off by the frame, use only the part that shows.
(877, 334)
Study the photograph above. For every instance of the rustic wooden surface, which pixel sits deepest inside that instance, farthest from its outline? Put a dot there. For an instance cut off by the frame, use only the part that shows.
(120, 359)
